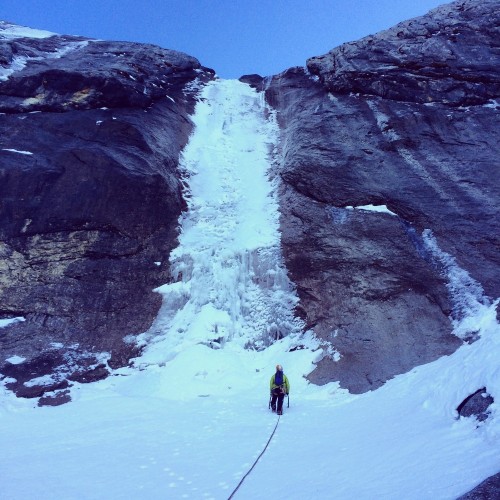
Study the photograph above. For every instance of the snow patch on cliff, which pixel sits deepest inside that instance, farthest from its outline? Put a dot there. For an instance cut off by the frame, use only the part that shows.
(372, 208)
(18, 63)
(9, 321)
(29, 153)
(11, 31)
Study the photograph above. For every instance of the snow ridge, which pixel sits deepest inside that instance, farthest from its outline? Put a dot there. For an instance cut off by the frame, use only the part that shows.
(230, 281)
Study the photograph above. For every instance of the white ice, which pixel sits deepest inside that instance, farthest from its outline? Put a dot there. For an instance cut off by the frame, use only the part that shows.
(372, 208)
(230, 282)
(191, 421)
(8, 321)
(467, 295)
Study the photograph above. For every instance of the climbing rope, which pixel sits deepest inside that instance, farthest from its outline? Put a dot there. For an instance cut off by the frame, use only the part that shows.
(257, 459)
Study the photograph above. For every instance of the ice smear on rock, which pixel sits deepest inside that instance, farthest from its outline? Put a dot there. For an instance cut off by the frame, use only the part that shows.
(467, 295)
(230, 281)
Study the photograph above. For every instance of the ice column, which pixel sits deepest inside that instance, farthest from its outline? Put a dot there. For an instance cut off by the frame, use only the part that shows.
(229, 278)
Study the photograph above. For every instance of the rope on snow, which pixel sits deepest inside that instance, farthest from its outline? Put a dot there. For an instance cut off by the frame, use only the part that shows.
(257, 459)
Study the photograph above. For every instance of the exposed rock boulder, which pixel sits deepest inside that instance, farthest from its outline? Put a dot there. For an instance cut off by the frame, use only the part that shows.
(487, 490)
(90, 197)
(367, 282)
(477, 405)
(55, 398)
(255, 81)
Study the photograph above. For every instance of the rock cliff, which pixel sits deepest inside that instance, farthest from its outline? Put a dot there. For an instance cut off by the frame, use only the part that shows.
(405, 119)
(90, 196)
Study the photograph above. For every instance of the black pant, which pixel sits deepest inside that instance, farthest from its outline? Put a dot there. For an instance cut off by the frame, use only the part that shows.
(279, 395)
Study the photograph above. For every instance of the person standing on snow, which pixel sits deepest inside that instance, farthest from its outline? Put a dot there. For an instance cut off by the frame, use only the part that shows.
(279, 387)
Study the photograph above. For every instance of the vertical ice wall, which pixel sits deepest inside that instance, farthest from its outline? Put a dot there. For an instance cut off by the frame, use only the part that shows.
(229, 279)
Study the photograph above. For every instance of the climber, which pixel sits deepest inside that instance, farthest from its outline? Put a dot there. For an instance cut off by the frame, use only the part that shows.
(279, 387)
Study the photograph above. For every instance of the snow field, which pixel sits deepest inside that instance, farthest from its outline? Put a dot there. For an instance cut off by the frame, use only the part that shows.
(192, 428)
(401, 441)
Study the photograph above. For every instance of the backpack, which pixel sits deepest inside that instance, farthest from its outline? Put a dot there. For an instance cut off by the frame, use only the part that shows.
(278, 379)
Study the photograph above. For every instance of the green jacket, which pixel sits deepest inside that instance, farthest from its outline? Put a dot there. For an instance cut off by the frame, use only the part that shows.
(286, 384)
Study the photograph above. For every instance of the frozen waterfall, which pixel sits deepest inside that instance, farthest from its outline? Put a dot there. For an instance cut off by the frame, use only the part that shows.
(229, 281)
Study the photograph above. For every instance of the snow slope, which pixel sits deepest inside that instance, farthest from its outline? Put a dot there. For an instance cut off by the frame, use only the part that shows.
(190, 419)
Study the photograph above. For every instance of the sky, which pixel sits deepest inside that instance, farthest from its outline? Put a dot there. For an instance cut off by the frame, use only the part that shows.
(234, 37)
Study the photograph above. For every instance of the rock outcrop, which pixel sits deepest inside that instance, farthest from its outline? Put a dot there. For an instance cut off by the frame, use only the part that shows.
(90, 197)
(404, 119)
(476, 405)
(487, 490)
(449, 56)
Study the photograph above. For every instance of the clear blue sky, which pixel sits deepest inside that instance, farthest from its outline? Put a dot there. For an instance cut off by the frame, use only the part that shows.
(234, 37)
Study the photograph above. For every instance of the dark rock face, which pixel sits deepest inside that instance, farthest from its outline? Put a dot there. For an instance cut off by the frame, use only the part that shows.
(88, 219)
(487, 490)
(63, 73)
(476, 405)
(367, 284)
(447, 56)
(255, 81)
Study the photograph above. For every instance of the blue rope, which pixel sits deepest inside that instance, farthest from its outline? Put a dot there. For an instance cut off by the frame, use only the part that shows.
(255, 463)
